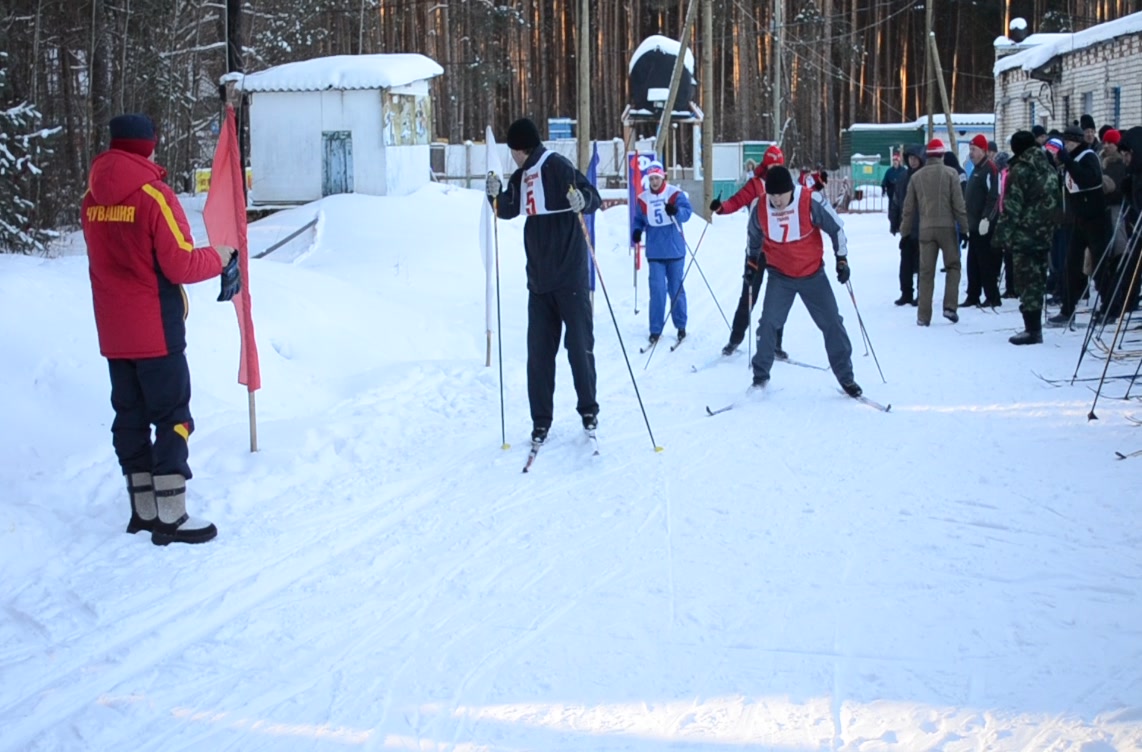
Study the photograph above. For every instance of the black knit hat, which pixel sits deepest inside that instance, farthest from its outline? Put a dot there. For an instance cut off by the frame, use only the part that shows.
(1038, 130)
(1021, 141)
(523, 135)
(778, 180)
(134, 133)
(1073, 133)
(1086, 121)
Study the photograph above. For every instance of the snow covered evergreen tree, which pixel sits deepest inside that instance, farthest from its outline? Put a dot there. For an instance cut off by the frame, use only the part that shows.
(23, 147)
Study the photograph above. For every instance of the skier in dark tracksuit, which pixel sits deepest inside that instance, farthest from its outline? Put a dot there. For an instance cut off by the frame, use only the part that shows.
(787, 224)
(551, 193)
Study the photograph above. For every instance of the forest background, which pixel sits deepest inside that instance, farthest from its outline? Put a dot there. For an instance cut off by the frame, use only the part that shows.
(68, 66)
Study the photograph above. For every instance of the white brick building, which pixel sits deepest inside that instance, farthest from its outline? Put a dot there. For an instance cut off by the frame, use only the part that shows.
(1054, 78)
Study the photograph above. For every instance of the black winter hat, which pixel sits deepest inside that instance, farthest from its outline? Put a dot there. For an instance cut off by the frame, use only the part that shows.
(135, 125)
(778, 180)
(523, 135)
(1021, 141)
(1086, 121)
(1038, 130)
(1073, 133)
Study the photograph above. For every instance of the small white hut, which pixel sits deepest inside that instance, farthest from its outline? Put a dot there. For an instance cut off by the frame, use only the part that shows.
(341, 124)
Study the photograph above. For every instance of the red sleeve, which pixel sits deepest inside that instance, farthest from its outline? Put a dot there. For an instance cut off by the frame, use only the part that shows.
(180, 261)
(743, 198)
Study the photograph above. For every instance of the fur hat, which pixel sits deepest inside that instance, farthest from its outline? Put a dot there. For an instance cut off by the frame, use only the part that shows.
(778, 180)
(979, 141)
(935, 148)
(523, 135)
(1073, 133)
(1086, 121)
(134, 133)
(1021, 141)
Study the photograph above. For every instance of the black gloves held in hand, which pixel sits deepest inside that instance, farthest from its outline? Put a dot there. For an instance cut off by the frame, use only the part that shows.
(636, 237)
(716, 205)
(842, 269)
(963, 240)
(231, 280)
(750, 270)
(671, 209)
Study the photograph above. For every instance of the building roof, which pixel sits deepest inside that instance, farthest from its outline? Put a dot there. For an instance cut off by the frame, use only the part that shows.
(667, 45)
(958, 118)
(340, 72)
(1042, 54)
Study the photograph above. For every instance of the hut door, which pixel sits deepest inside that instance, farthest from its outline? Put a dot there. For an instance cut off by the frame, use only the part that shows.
(336, 162)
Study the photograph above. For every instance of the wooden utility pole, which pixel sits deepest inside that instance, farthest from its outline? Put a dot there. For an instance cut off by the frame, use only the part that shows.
(707, 100)
(778, 41)
(662, 138)
(928, 6)
(584, 107)
(935, 56)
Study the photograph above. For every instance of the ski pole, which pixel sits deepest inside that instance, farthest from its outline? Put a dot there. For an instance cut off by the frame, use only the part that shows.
(499, 321)
(637, 258)
(694, 260)
(1091, 324)
(607, 297)
(864, 332)
(1113, 342)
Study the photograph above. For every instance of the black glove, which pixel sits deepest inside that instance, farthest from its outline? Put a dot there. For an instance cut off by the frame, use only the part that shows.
(750, 270)
(231, 280)
(963, 240)
(903, 245)
(636, 237)
(716, 205)
(671, 209)
(842, 269)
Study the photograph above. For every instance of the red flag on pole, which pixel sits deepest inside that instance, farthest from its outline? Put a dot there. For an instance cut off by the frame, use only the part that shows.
(225, 218)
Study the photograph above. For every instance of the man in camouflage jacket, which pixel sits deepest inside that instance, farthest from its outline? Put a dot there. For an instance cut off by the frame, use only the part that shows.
(1025, 226)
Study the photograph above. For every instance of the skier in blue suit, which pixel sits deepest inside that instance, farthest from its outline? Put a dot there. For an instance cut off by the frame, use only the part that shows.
(662, 209)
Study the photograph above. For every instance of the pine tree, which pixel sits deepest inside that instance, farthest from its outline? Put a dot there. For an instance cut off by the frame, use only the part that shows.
(23, 146)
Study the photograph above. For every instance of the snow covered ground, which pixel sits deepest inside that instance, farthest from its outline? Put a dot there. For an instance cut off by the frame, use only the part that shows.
(800, 573)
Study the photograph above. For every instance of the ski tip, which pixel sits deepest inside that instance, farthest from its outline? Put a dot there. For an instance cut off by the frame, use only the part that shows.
(506, 447)
(1120, 455)
(659, 449)
(888, 409)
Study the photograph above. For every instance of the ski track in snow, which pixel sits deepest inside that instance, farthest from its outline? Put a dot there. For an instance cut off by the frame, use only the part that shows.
(800, 574)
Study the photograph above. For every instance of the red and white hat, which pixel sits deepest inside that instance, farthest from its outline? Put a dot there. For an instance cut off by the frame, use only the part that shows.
(655, 168)
(980, 141)
(935, 148)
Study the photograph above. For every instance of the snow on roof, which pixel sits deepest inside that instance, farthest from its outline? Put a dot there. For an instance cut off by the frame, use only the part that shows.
(667, 45)
(342, 72)
(1034, 40)
(958, 118)
(1042, 54)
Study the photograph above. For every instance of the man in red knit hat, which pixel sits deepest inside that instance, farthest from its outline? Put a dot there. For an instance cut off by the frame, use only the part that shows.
(746, 198)
(140, 253)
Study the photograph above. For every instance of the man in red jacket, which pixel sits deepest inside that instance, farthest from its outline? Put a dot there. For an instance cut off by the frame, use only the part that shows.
(746, 197)
(140, 253)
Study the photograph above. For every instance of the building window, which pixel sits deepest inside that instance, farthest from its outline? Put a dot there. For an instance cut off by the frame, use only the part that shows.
(1116, 99)
(1032, 112)
(1066, 110)
(1088, 103)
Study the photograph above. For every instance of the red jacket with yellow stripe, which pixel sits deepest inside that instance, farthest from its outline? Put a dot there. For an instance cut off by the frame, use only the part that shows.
(139, 253)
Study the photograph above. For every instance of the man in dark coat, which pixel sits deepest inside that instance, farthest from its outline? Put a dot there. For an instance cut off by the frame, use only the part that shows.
(909, 242)
(1086, 207)
(551, 193)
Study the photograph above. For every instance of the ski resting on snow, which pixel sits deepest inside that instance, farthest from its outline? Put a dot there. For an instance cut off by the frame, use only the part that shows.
(536, 445)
